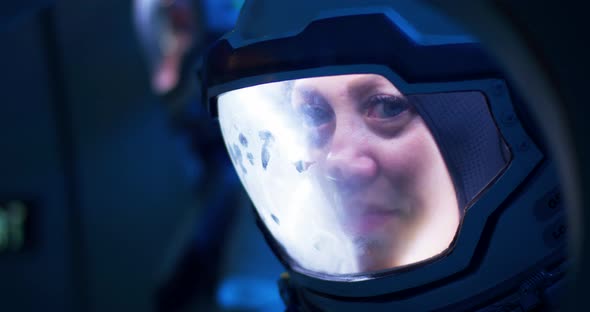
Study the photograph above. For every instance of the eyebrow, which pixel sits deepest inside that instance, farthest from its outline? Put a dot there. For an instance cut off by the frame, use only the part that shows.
(307, 93)
(364, 85)
(305, 89)
(358, 88)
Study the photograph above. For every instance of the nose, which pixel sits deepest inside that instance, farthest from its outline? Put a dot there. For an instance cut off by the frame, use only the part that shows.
(349, 161)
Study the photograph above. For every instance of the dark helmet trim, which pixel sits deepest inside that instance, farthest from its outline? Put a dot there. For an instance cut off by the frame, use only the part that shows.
(348, 40)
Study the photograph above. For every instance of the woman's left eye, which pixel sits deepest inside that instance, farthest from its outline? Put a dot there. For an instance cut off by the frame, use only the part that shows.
(386, 106)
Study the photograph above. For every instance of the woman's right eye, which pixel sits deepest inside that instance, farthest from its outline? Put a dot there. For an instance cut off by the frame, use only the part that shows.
(316, 115)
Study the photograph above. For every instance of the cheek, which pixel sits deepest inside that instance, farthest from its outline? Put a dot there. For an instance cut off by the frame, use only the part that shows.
(408, 161)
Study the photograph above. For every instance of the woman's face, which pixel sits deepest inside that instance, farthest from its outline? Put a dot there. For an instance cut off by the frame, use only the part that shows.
(374, 151)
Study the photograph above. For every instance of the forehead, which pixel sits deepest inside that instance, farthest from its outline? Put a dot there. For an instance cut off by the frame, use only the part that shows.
(354, 83)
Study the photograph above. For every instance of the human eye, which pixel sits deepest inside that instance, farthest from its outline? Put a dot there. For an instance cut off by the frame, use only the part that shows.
(386, 106)
(315, 111)
(316, 115)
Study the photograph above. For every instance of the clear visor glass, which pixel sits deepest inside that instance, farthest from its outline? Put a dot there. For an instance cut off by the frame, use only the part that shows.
(346, 171)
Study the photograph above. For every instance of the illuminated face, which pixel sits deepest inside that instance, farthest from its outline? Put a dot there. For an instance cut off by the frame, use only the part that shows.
(375, 152)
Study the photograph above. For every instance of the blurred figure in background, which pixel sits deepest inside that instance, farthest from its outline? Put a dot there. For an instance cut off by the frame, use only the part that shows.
(173, 34)
(128, 205)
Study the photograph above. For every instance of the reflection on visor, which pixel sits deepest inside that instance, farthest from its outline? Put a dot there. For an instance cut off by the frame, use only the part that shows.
(346, 173)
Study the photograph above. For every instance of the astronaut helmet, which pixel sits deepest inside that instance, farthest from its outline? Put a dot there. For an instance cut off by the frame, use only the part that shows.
(387, 158)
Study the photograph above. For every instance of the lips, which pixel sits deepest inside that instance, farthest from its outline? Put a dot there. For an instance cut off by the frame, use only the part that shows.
(366, 219)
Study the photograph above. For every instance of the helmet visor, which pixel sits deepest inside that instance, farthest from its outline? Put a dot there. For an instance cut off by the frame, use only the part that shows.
(350, 176)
